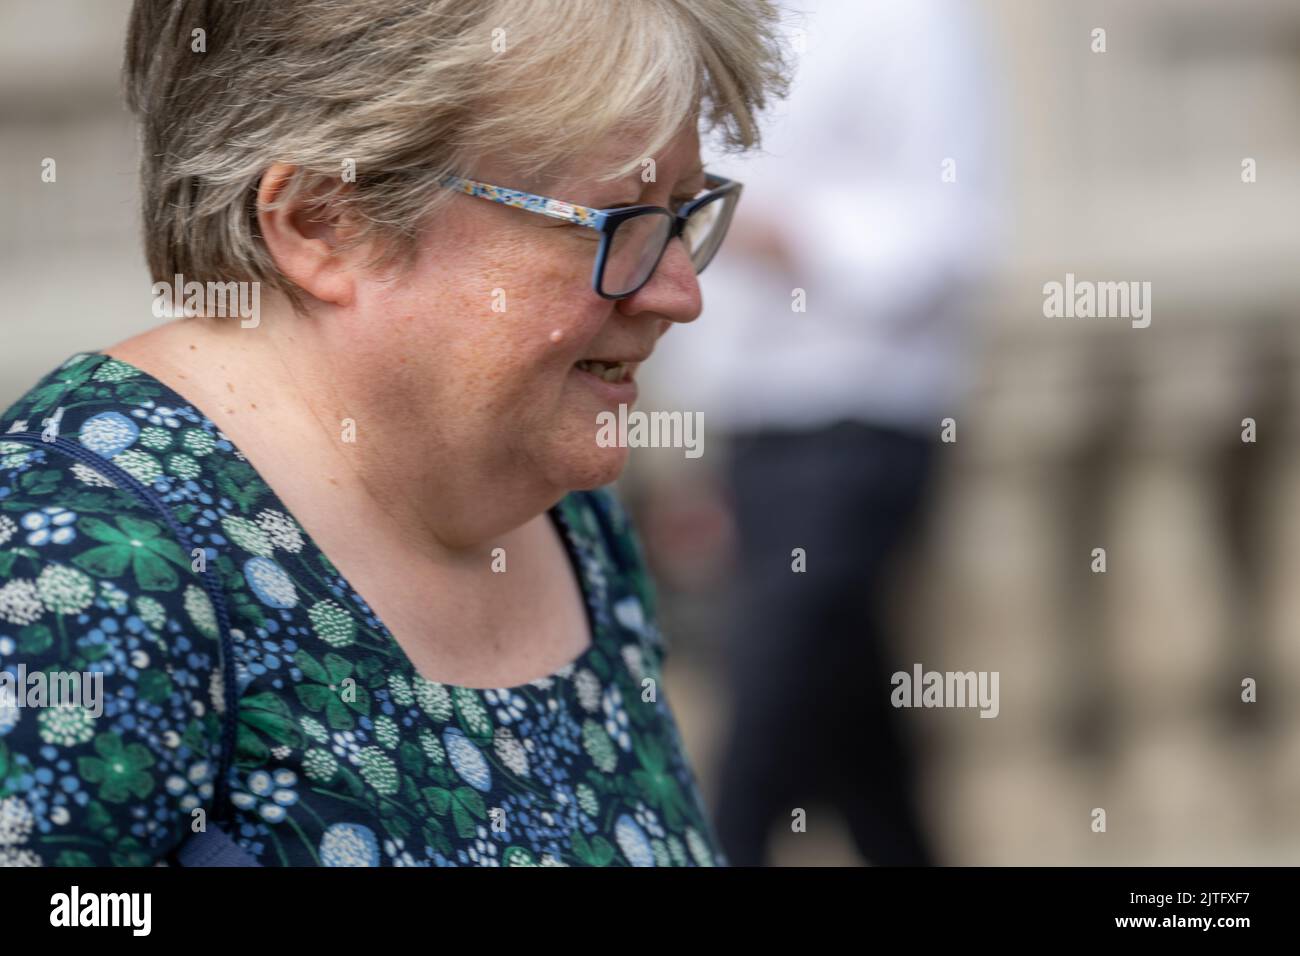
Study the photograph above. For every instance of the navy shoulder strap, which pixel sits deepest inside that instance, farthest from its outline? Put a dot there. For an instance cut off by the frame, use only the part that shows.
(213, 847)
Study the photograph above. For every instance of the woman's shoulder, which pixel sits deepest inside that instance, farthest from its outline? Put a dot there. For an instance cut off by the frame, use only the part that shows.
(103, 469)
(84, 380)
(103, 417)
(69, 494)
(98, 600)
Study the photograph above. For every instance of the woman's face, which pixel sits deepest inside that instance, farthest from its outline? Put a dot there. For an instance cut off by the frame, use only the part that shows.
(478, 342)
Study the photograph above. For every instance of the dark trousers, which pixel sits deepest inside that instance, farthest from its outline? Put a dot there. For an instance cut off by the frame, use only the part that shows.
(806, 657)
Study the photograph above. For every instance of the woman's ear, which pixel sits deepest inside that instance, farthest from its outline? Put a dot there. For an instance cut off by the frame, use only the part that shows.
(303, 237)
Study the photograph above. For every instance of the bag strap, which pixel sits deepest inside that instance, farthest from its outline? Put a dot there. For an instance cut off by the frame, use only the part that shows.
(212, 847)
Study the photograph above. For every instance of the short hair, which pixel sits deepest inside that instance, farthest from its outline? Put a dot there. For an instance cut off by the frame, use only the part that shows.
(410, 91)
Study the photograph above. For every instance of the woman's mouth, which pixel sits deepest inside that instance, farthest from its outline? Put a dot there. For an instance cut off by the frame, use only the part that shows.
(613, 382)
(611, 372)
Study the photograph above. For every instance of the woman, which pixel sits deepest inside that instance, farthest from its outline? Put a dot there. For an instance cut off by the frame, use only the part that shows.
(338, 561)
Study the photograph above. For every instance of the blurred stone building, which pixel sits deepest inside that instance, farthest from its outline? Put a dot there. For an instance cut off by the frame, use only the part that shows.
(1122, 690)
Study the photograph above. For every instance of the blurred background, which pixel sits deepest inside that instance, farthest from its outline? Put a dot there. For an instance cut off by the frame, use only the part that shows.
(935, 166)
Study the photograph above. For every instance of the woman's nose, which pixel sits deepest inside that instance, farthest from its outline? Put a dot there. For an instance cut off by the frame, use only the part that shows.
(673, 291)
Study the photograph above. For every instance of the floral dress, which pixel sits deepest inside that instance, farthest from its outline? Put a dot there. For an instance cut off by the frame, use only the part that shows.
(136, 542)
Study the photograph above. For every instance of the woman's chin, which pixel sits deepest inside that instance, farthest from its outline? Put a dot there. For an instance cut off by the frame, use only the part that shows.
(594, 467)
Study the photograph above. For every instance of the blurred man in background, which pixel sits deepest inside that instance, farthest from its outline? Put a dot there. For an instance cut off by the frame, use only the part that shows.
(830, 351)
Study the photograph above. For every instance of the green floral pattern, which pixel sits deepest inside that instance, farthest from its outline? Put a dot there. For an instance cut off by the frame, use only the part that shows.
(345, 755)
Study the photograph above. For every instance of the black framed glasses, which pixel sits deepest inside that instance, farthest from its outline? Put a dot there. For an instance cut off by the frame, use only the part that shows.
(633, 239)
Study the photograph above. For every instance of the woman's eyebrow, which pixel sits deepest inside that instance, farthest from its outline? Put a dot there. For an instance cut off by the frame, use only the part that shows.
(697, 171)
(614, 197)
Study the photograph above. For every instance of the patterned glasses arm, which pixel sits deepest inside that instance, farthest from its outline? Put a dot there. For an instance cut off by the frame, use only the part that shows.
(555, 208)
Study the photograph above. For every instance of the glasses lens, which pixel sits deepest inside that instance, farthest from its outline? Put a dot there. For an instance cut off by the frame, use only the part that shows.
(634, 251)
(706, 227)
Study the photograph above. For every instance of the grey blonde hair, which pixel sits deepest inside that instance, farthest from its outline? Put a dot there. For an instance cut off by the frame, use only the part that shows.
(409, 91)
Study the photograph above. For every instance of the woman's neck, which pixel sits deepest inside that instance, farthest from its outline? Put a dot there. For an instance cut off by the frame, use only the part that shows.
(309, 421)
